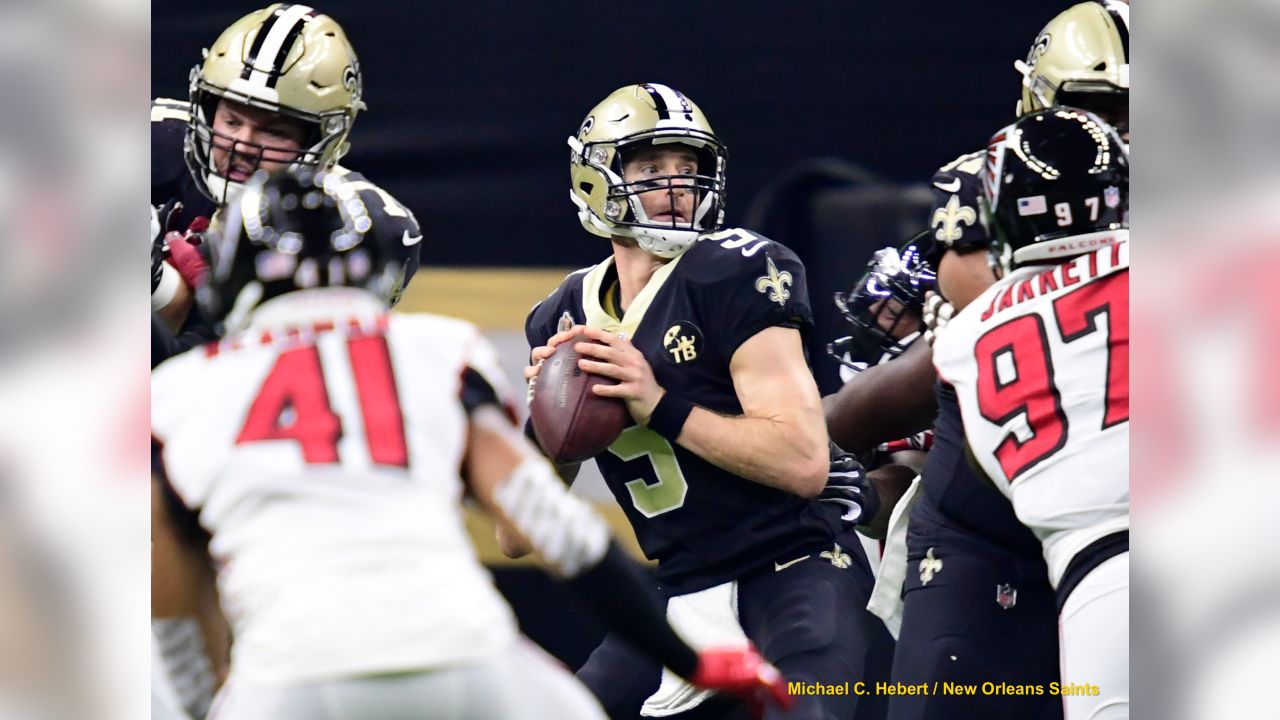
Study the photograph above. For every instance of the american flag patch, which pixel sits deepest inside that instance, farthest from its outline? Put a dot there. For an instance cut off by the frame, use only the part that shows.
(1034, 205)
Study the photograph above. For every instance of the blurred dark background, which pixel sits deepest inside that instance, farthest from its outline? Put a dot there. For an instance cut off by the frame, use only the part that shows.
(470, 102)
(836, 114)
(831, 112)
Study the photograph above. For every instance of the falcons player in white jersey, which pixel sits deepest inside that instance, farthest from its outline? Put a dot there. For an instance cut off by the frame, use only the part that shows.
(321, 448)
(1040, 363)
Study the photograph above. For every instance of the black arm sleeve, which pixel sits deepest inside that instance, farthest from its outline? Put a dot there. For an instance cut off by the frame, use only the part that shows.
(163, 344)
(627, 602)
(476, 391)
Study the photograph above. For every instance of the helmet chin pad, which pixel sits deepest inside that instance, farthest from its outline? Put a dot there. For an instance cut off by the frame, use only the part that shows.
(663, 243)
(222, 189)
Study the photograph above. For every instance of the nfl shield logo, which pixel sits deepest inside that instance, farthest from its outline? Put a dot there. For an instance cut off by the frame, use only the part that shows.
(1111, 196)
(1006, 596)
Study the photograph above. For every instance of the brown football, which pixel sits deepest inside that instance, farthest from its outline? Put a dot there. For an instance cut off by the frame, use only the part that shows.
(572, 422)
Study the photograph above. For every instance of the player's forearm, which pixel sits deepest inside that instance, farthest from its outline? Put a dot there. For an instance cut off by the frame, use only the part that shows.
(783, 453)
(510, 542)
(886, 402)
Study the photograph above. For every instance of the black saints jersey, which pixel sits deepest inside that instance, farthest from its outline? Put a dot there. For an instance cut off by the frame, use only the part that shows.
(170, 178)
(957, 501)
(702, 524)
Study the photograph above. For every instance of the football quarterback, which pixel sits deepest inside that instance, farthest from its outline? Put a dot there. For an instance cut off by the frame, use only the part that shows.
(721, 470)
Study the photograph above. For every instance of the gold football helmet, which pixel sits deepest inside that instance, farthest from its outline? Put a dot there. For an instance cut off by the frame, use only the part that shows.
(286, 59)
(1081, 58)
(634, 117)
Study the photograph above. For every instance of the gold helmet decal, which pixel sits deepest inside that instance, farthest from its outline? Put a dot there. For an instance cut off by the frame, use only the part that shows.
(1085, 49)
(285, 59)
(639, 116)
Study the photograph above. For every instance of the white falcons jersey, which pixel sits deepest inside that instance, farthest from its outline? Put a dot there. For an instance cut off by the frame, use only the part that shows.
(322, 449)
(1040, 364)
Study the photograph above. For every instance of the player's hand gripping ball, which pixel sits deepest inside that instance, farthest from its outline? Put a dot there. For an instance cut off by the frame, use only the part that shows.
(571, 422)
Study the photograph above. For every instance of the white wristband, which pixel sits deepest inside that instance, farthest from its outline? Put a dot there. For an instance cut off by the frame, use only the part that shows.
(170, 280)
(568, 533)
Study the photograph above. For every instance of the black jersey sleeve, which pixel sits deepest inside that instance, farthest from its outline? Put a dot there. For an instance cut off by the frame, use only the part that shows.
(170, 177)
(544, 319)
(168, 167)
(394, 223)
(955, 221)
(747, 287)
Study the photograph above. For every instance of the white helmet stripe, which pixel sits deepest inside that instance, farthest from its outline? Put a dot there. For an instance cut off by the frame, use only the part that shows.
(268, 60)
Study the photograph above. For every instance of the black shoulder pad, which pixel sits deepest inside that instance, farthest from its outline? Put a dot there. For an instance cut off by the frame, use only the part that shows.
(168, 167)
(747, 283)
(544, 318)
(391, 218)
(955, 221)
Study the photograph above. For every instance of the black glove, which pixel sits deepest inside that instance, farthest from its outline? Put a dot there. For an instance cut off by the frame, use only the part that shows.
(849, 488)
(161, 219)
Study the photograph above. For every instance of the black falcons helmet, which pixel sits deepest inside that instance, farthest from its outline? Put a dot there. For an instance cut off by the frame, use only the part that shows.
(888, 297)
(1050, 178)
(297, 230)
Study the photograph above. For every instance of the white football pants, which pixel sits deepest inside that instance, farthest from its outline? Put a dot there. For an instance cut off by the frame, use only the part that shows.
(1095, 643)
(524, 684)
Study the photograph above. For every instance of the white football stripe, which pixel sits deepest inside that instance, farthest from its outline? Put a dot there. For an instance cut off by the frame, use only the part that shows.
(271, 46)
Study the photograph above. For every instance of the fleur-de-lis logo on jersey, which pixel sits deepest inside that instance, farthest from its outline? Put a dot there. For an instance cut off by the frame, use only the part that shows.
(774, 283)
(929, 567)
(950, 218)
(838, 557)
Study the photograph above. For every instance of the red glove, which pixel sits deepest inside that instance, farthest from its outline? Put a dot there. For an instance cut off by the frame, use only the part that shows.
(186, 259)
(183, 255)
(742, 672)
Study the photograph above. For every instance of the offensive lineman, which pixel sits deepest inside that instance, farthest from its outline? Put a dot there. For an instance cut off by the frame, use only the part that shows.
(280, 87)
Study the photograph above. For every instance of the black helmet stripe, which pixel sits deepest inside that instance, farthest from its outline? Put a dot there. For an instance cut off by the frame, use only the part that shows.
(668, 100)
(658, 100)
(286, 46)
(276, 38)
(1122, 25)
(252, 57)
